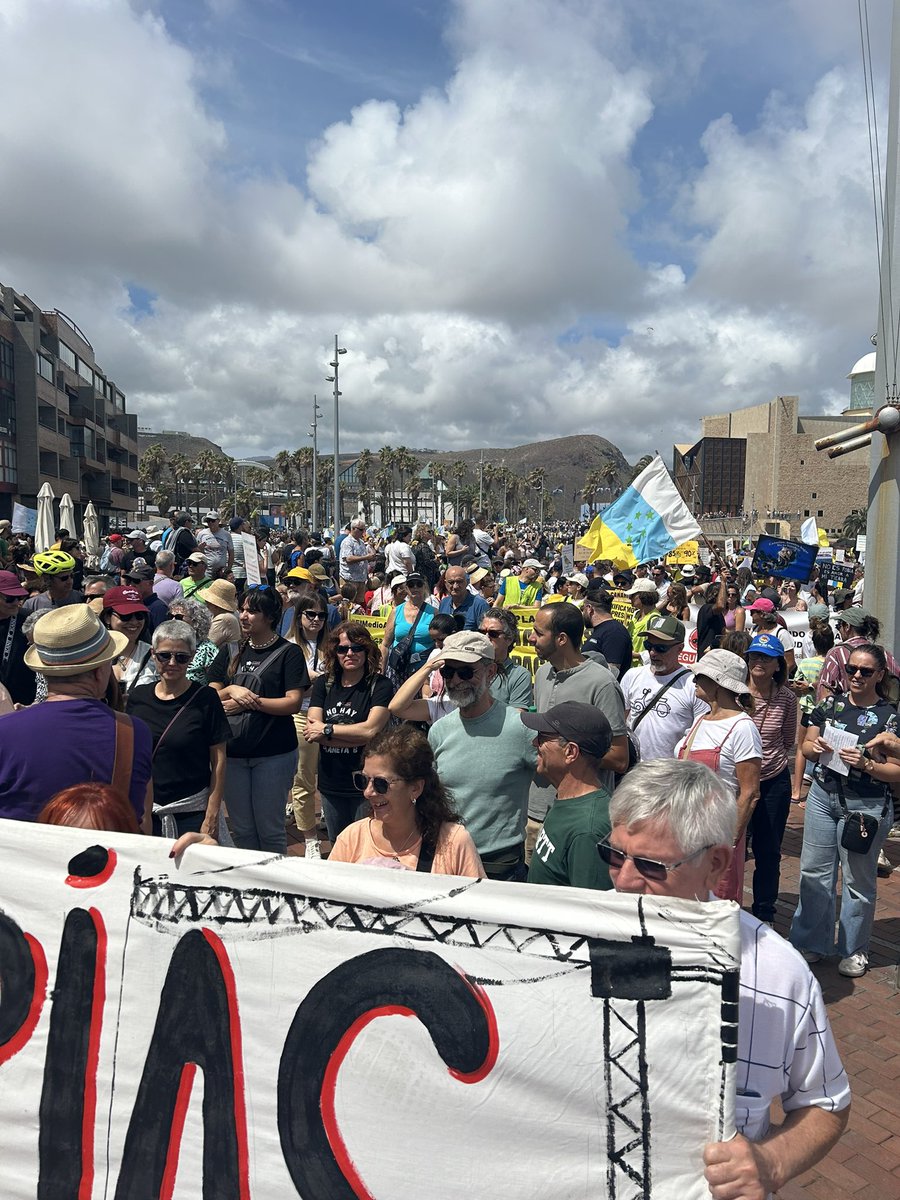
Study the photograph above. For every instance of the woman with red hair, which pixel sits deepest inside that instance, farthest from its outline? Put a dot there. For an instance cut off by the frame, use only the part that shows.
(90, 806)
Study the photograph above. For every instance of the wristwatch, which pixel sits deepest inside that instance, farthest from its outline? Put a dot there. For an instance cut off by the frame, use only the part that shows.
(329, 730)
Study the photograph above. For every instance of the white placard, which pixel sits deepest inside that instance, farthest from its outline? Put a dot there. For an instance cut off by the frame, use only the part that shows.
(860, 543)
(249, 1026)
(251, 559)
(24, 520)
(729, 547)
(837, 739)
(567, 555)
(839, 555)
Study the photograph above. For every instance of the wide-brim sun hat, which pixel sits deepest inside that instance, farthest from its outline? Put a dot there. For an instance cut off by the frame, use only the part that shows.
(220, 595)
(72, 640)
(724, 668)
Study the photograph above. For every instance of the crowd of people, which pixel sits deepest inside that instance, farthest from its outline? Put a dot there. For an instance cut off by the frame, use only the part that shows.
(188, 701)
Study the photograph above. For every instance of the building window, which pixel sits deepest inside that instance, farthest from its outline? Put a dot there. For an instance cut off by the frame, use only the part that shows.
(85, 372)
(7, 462)
(67, 356)
(7, 415)
(806, 512)
(7, 361)
(815, 495)
(820, 512)
(45, 368)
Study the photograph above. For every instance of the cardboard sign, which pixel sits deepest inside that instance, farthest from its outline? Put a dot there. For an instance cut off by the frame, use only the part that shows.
(622, 608)
(687, 552)
(375, 625)
(251, 558)
(783, 559)
(860, 543)
(239, 1025)
(729, 547)
(24, 520)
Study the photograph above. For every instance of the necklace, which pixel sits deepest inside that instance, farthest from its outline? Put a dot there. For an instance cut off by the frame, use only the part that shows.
(264, 645)
(394, 854)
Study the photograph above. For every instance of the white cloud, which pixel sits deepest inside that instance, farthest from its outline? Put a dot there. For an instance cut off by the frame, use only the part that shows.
(451, 243)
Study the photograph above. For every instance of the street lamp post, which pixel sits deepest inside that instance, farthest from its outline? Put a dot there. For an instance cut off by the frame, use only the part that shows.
(336, 507)
(317, 412)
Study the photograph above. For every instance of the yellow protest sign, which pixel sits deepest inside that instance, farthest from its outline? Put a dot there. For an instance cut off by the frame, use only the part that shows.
(526, 657)
(687, 552)
(622, 608)
(375, 625)
(524, 614)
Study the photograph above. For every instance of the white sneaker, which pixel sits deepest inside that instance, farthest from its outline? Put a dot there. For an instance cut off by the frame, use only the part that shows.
(811, 956)
(884, 867)
(312, 849)
(854, 965)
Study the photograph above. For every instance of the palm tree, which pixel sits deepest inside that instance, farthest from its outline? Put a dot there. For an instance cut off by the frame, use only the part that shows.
(593, 482)
(457, 474)
(414, 490)
(151, 473)
(324, 479)
(287, 473)
(642, 465)
(609, 475)
(387, 459)
(364, 479)
(254, 480)
(180, 466)
(303, 460)
(855, 523)
(384, 482)
(489, 475)
(205, 469)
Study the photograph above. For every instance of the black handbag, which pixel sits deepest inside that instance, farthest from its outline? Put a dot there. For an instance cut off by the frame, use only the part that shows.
(860, 829)
(401, 658)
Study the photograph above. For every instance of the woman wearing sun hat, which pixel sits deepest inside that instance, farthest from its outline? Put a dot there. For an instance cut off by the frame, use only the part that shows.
(726, 740)
(775, 716)
(221, 600)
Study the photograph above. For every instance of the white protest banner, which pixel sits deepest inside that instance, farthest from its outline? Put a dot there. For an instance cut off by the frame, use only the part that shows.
(239, 1025)
(860, 543)
(729, 547)
(251, 558)
(24, 520)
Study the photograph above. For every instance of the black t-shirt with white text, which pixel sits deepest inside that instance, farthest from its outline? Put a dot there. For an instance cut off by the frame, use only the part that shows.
(345, 706)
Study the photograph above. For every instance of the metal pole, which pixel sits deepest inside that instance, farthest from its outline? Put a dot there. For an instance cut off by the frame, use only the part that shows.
(315, 464)
(481, 484)
(336, 507)
(882, 587)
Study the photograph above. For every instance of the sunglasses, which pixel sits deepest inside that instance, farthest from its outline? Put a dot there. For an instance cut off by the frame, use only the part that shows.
(166, 656)
(381, 784)
(62, 578)
(648, 867)
(866, 672)
(415, 583)
(314, 616)
(451, 669)
(130, 616)
(341, 651)
(12, 599)
(659, 647)
(493, 634)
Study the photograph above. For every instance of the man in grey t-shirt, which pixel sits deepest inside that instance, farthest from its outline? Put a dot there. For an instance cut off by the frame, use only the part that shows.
(565, 674)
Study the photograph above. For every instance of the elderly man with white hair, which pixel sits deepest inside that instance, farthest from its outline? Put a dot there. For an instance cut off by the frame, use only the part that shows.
(165, 587)
(672, 831)
(354, 558)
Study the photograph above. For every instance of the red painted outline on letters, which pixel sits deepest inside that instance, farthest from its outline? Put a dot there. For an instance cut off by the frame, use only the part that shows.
(89, 881)
(38, 996)
(188, 1071)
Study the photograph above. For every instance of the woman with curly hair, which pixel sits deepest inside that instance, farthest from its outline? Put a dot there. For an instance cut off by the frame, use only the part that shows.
(198, 616)
(412, 825)
(348, 706)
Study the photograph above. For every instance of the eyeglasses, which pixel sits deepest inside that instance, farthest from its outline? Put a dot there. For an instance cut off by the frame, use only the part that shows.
(866, 672)
(380, 783)
(451, 669)
(493, 634)
(341, 651)
(648, 867)
(314, 616)
(659, 647)
(166, 656)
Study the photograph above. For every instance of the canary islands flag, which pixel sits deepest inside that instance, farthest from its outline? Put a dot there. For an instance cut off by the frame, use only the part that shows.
(647, 521)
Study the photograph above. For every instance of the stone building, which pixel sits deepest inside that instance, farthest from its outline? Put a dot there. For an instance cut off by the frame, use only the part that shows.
(784, 476)
(62, 421)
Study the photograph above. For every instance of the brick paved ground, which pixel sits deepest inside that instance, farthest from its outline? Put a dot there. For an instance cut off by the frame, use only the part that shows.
(865, 1016)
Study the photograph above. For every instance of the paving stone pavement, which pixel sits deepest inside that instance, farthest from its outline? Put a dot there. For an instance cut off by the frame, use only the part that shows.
(865, 1016)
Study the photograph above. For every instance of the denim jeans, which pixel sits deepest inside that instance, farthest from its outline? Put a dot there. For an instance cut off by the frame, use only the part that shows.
(813, 925)
(256, 792)
(766, 831)
(341, 811)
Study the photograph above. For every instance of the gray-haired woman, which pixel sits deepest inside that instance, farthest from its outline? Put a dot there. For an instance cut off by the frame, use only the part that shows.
(198, 616)
(189, 730)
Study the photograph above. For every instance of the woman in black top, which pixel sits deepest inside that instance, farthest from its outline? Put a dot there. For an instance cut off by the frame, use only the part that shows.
(189, 730)
(711, 617)
(347, 708)
(261, 688)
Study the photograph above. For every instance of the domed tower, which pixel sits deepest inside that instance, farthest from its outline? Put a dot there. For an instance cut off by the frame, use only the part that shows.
(862, 387)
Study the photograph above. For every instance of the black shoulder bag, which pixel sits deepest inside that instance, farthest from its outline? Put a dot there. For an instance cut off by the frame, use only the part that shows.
(634, 750)
(252, 727)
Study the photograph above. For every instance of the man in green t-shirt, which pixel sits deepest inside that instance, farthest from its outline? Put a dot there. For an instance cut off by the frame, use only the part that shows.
(571, 739)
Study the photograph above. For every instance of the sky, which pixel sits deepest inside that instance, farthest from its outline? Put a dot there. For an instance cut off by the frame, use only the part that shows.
(523, 218)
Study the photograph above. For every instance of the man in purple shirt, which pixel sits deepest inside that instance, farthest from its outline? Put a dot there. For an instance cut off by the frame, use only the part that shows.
(165, 587)
(72, 737)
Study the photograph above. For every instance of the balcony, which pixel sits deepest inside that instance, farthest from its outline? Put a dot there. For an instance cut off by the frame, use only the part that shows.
(97, 487)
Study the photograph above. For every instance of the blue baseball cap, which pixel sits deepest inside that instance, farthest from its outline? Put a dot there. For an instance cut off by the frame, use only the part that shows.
(766, 643)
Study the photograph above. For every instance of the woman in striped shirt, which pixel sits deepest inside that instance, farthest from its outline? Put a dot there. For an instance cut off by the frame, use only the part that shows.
(775, 716)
